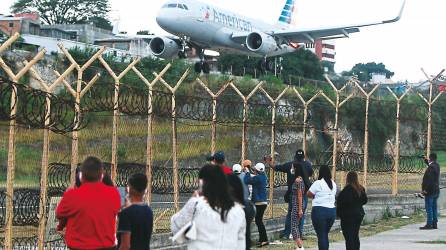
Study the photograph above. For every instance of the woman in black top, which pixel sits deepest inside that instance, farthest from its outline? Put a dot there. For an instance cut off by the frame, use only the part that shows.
(349, 209)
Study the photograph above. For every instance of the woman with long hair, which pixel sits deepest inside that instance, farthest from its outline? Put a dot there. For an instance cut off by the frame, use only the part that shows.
(349, 208)
(323, 213)
(219, 221)
(297, 203)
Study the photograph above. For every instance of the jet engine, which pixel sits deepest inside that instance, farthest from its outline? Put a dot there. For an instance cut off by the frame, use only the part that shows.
(164, 47)
(260, 43)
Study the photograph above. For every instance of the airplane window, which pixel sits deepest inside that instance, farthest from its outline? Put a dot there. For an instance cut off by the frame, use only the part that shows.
(180, 6)
(185, 7)
(172, 5)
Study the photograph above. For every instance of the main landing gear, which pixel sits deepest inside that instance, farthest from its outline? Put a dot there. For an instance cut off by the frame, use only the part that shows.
(202, 65)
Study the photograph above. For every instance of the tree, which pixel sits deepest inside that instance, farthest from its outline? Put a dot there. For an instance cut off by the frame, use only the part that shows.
(63, 11)
(364, 71)
(144, 32)
(302, 63)
(101, 22)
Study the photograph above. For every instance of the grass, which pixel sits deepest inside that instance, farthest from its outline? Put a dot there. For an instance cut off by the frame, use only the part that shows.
(391, 223)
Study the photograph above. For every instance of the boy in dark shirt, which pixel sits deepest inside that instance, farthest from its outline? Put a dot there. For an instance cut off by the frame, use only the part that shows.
(136, 221)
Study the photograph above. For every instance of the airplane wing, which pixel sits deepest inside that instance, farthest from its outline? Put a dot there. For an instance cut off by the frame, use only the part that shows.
(310, 35)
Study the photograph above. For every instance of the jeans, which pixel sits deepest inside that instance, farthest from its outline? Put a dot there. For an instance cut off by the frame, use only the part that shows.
(323, 218)
(249, 216)
(260, 210)
(430, 203)
(287, 231)
(350, 229)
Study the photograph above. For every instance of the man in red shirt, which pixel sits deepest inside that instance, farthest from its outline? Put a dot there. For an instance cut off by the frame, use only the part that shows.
(219, 159)
(90, 211)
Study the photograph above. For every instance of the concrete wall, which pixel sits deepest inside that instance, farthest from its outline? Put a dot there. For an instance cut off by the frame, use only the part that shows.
(375, 209)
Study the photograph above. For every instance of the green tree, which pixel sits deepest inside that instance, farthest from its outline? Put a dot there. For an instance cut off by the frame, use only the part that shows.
(101, 22)
(364, 71)
(302, 63)
(63, 11)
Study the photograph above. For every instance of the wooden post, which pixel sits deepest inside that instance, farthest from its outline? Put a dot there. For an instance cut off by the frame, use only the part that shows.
(366, 129)
(429, 103)
(214, 111)
(245, 116)
(336, 105)
(117, 78)
(149, 147)
(273, 144)
(45, 156)
(176, 187)
(9, 213)
(397, 141)
(77, 93)
(305, 122)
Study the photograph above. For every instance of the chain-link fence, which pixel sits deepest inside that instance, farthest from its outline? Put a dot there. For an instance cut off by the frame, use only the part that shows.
(166, 130)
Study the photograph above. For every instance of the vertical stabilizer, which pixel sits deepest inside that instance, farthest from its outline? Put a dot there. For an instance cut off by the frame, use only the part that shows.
(287, 16)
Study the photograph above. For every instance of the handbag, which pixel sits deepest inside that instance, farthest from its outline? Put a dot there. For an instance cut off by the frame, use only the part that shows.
(187, 232)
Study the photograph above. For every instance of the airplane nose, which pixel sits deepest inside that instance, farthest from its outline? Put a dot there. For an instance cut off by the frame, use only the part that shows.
(163, 19)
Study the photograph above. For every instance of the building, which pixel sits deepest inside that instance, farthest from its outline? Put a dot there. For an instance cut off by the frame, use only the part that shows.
(324, 50)
(21, 23)
(135, 46)
(85, 33)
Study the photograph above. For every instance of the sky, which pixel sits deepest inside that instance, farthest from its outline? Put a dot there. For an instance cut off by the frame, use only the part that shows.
(415, 42)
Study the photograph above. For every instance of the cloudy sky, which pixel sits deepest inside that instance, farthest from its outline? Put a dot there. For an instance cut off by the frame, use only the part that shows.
(416, 41)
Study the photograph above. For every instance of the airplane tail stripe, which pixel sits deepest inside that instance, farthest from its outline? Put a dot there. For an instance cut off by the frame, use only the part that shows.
(286, 15)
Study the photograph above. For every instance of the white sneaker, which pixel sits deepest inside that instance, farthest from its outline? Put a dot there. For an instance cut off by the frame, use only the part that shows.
(300, 248)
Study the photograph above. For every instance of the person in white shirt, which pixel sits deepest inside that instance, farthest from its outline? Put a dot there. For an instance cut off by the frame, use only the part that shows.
(219, 221)
(323, 213)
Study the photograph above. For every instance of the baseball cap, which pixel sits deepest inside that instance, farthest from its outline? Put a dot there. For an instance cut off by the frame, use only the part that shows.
(237, 168)
(218, 157)
(260, 167)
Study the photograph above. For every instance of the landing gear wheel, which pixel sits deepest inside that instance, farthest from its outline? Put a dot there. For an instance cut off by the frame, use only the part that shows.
(198, 67)
(270, 65)
(206, 68)
(182, 54)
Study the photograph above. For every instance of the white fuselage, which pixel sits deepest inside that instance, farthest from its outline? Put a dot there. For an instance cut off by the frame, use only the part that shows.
(210, 27)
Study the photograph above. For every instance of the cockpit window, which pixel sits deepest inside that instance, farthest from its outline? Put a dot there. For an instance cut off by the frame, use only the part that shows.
(176, 5)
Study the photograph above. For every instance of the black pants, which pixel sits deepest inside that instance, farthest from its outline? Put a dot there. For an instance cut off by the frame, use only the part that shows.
(260, 210)
(249, 216)
(350, 229)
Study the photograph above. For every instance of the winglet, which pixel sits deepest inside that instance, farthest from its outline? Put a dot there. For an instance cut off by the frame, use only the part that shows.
(396, 19)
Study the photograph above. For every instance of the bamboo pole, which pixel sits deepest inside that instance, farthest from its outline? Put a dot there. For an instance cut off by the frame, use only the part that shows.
(117, 78)
(149, 142)
(430, 102)
(9, 213)
(337, 106)
(398, 141)
(77, 93)
(273, 144)
(45, 156)
(366, 129)
(245, 116)
(176, 188)
(10, 172)
(214, 111)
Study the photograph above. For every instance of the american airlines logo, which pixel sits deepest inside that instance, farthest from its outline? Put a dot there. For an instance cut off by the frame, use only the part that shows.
(232, 21)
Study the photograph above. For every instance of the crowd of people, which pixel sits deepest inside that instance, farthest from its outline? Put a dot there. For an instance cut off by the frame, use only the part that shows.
(92, 215)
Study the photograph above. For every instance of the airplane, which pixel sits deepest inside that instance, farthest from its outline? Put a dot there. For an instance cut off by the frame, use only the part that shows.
(202, 26)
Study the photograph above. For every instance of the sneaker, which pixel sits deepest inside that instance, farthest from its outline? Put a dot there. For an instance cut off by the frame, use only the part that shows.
(262, 244)
(300, 248)
(434, 226)
(427, 227)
